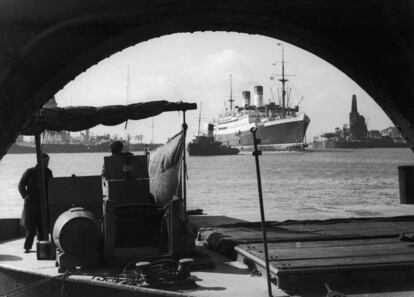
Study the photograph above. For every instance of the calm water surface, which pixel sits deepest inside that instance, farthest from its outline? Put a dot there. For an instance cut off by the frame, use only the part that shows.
(296, 185)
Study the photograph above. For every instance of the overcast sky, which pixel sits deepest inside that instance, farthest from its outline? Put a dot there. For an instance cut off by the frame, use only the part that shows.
(196, 67)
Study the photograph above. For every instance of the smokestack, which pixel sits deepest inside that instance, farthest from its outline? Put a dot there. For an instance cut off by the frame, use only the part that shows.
(258, 96)
(246, 98)
(210, 132)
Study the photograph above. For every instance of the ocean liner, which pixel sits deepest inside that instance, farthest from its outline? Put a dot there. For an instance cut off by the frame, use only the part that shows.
(279, 127)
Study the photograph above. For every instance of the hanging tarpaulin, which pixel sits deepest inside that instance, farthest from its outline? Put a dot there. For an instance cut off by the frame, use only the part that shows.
(85, 117)
(165, 169)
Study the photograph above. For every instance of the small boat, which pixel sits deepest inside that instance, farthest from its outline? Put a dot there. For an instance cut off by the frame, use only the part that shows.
(206, 145)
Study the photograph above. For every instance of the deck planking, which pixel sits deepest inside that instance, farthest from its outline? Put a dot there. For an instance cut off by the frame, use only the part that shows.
(306, 253)
(328, 249)
(325, 257)
(225, 237)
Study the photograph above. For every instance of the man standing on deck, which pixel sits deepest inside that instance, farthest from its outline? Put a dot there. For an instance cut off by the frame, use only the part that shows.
(30, 192)
(116, 148)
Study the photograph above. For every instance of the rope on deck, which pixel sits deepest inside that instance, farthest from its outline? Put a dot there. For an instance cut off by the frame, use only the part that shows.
(332, 293)
(32, 285)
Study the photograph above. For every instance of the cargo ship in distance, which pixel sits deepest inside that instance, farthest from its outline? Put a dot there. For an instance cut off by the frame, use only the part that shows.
(279, 127)
(63, 142)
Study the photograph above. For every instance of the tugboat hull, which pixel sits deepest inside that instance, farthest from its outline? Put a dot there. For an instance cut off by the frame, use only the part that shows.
(207, 146)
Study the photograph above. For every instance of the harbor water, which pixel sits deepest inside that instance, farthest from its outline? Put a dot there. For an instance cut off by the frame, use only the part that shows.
(296, 185)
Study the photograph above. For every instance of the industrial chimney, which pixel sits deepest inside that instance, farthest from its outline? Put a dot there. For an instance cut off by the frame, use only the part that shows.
(258, 96)
(246, 98)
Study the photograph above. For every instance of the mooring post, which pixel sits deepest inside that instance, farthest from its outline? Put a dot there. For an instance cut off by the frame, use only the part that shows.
(256, 153)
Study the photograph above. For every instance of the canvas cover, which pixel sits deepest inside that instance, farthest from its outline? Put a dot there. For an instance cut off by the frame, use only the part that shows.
(85, 117)
(164, 169)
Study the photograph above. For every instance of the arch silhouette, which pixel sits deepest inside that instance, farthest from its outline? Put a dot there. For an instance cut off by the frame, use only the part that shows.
(43, 47)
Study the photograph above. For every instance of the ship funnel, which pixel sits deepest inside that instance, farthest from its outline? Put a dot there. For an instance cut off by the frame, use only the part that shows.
(246, 98)
(210, 132)
(258, 96)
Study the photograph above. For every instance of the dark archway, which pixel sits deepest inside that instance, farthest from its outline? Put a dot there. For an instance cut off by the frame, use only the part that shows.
(44, 47)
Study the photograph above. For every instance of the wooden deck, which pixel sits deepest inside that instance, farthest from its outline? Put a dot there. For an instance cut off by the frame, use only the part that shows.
(223, 278)
(355, 255)
(359, 257)
(311, 264)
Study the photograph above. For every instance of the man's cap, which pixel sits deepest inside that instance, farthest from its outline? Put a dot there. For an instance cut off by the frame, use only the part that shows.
(116, 145)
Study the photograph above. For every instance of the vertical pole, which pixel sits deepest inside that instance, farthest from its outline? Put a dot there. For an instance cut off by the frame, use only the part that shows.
(283, 83)
(199, 121)
(231, 94)
(184, 173)
(42, 189)
(256, 153)
(171, 223)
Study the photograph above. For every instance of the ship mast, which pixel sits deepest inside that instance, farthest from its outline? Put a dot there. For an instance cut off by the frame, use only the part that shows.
(231, 95)
(283, 80)
(199, 121)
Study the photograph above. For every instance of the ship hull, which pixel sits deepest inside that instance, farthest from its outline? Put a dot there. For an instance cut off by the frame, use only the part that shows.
(19, 148)
(58, 148)
(282, 134)
(206, 146)
(199, 150)
(333, 144)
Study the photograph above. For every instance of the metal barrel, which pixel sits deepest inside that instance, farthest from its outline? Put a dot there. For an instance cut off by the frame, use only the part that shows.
(77, 232)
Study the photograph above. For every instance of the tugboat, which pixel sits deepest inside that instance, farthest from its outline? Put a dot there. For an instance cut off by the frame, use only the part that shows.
(207, 146)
